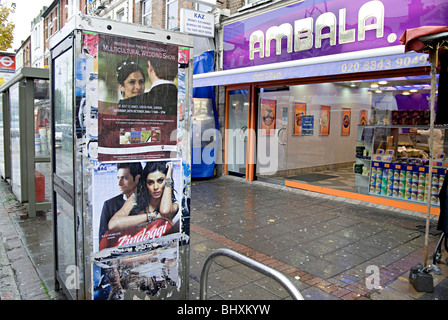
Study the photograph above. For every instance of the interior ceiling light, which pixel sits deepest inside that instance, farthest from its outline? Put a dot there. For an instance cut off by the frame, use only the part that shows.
(374, 85)
(406, 93)
(382, 82)
(413, 90)
(378, 91)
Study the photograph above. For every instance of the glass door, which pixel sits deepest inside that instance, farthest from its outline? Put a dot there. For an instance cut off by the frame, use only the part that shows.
(65, 220)
(275, 110)
(237, 131)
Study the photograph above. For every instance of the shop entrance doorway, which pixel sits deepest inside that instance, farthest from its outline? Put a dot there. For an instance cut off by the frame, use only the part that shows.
(237, 131)
(274, 108)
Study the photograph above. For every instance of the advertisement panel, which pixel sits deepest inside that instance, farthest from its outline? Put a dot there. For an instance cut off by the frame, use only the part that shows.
(137, 102)
(136, 224)
(129, 109)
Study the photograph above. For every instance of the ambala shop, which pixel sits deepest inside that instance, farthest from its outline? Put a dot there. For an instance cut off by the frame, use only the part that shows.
(321, 96)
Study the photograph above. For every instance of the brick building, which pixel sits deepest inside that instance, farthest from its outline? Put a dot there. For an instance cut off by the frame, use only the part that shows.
(55, 18)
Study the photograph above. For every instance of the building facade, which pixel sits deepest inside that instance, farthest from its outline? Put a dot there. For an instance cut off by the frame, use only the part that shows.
(37, 41)
(23, 54)
(55, 17)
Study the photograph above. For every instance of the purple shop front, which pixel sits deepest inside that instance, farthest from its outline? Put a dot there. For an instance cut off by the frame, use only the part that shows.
(311, 29)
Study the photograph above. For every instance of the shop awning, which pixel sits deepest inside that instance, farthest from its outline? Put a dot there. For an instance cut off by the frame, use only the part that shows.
(385, 59)
(417, 39)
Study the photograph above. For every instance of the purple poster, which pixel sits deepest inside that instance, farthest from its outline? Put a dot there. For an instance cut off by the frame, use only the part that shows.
(319, 28)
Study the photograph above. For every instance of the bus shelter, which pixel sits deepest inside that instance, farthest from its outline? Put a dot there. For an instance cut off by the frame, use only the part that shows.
(25, 132)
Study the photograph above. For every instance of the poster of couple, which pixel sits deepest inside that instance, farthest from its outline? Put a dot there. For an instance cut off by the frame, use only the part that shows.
(137, 178)
(138, 99)
(136, 220)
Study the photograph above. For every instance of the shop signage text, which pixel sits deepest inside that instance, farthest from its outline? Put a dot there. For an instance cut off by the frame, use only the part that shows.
(197, 23)
(326, 26)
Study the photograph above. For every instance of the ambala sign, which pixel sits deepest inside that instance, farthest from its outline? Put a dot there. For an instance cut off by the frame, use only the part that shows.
(300, 31)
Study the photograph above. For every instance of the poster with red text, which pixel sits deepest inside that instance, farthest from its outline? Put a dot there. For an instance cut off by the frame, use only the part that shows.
(137, 99)
(136, 224)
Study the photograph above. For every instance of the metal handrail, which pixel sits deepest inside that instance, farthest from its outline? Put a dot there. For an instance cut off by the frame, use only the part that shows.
(266, 270)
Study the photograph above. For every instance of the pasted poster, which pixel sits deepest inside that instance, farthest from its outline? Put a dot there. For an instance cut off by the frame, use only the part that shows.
(325, 120)
(136, 224)
(308, 125)
(299, 112)
(137, 273)
(268, 109)
(363, 118)
(346, 120)
(137, 99)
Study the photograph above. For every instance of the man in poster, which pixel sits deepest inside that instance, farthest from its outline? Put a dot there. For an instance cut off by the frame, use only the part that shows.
(128, 175)
(150, 213)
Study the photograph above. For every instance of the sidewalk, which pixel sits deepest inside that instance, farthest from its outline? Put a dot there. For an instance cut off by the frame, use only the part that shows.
(26, 252)
(322, 244)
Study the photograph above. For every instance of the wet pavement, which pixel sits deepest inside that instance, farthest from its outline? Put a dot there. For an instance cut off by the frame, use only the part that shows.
(330, 248)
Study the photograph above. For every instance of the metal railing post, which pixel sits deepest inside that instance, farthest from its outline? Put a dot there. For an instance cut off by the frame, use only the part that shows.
(264, 269)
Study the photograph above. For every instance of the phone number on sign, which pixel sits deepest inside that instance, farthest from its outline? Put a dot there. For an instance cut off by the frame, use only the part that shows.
(382, 64)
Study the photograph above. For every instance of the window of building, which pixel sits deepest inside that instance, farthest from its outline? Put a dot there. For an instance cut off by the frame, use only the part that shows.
(251, 3)
(172, 14)
(37, 35)
(147, 13)
(203, 7)
(120, 15)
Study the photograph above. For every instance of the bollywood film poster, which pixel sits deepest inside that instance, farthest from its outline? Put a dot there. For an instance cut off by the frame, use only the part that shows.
(325, 120)
(268, 110)
(137, 99)
(136, 228)
(346, 120)
(299, 112)
(363, 118)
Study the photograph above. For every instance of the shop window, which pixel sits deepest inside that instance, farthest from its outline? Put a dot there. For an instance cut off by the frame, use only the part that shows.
(352, 136)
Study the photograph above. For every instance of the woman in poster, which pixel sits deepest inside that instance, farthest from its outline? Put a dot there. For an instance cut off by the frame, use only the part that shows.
(130, 78)
(148, 215)
(155, 201)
